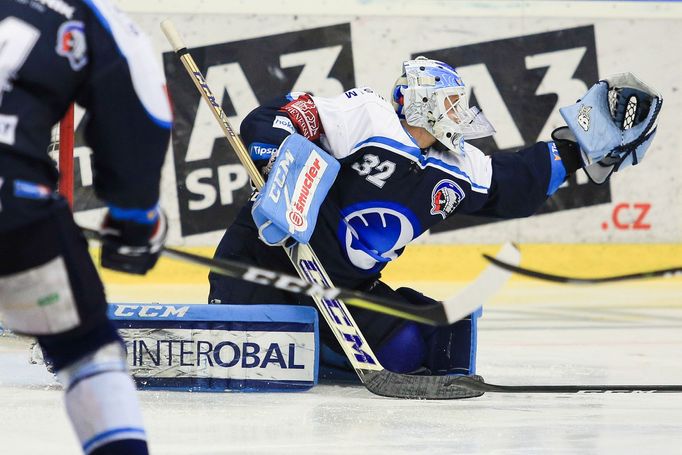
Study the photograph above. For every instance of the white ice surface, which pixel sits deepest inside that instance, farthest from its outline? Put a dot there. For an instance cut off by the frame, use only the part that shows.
(530, 335)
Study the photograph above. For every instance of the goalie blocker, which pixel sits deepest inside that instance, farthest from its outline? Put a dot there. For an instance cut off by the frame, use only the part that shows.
(199, 347)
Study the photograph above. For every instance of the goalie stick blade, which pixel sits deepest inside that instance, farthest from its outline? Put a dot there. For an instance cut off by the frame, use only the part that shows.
(514, 268)
(395, 385)
(477, 383)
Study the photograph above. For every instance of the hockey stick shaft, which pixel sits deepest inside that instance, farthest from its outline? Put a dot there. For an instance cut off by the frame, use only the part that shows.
(660, 273)
(459, 306)
(432, 315)
(200, 83)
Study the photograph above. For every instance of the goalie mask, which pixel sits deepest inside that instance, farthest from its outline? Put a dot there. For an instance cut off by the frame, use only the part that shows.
(431, 95)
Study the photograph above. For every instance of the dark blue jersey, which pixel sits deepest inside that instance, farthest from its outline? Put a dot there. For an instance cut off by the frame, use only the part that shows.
(55, 52)
(389, 191)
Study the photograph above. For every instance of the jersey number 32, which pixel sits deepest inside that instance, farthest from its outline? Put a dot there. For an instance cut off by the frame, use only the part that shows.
(376, 171)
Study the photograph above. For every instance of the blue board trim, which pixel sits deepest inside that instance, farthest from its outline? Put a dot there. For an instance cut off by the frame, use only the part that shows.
(222, 385)
(206, 312)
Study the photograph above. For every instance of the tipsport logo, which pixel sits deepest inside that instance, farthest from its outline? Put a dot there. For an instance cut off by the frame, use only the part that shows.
(212, 184)
(520, 83)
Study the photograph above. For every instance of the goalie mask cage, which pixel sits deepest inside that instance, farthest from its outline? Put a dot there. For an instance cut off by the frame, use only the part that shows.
(61, 148)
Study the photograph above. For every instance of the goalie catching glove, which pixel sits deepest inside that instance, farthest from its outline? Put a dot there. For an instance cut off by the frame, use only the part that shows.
(613, 124)
(288, 205)
(132, 239)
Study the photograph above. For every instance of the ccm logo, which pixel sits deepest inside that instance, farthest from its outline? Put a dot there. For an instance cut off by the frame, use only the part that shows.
(629, 216)
(280, 176)
(151, 311)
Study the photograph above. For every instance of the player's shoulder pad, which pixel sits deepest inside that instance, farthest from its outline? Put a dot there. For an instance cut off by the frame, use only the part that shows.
(357, 118)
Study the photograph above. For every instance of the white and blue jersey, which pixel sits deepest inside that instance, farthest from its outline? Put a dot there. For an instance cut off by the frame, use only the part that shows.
(389, 191)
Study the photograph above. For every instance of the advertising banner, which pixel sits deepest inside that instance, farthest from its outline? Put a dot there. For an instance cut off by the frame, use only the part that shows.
(518, 70)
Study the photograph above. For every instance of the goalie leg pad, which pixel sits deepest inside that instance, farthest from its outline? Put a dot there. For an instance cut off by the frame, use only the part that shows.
(404, 351)
(220, 347)
(451, 349)
(408, 347)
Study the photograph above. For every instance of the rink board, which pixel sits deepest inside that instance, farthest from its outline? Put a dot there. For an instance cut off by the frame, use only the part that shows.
(202, 347)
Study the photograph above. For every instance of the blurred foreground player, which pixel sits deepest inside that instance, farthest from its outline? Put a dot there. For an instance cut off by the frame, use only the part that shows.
(52, 54)
(387, 173)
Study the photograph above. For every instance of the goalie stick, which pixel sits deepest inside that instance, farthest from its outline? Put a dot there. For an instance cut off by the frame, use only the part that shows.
(515, 268)
(373, 375)
(443, 313)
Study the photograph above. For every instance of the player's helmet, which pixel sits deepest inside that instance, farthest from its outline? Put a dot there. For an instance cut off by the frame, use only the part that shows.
(431, 95)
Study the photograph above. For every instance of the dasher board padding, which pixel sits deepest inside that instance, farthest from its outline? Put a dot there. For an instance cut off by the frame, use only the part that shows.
(202, 347)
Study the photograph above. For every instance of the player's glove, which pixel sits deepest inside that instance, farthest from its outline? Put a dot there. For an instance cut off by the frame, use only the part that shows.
(132, 239)
(614, 124)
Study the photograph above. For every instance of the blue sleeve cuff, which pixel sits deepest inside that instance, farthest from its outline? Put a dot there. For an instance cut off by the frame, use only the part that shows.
(141, 216)
(558, 170)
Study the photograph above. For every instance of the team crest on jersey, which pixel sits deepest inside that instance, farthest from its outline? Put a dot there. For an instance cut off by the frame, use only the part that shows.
(445, 198)
(71, 44)
(375, 232)
(304, 115)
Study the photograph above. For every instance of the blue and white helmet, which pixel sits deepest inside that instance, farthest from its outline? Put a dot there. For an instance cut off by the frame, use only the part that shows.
(431, 95)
